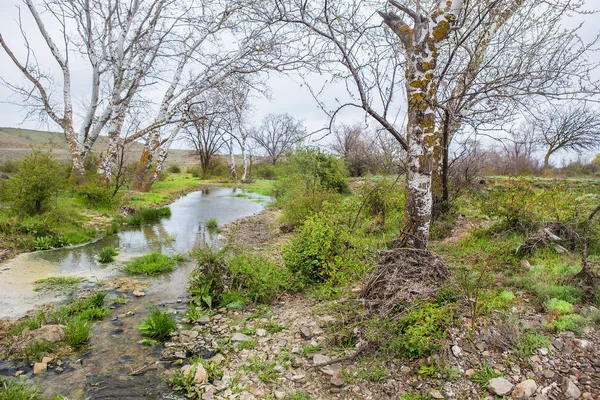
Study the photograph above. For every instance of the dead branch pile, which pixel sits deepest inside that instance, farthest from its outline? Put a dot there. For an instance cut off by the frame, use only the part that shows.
(550, 235)
(402, 276)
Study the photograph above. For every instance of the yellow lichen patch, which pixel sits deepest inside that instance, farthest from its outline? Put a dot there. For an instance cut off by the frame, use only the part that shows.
(419, 83)
(441, 30)
(429, 75)
(427, 66)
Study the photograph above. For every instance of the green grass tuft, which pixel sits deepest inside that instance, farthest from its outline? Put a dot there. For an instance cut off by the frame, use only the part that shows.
(63, 283)
(158, 324)
(151, 264)
(211, 223)
(107, 255)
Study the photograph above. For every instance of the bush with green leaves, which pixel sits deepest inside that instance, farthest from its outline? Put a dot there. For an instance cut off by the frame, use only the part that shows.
(174, 169)
(324, 248)
(147, 216)
(106, 255)
(36, 184)
(158, 324)
(95, 195)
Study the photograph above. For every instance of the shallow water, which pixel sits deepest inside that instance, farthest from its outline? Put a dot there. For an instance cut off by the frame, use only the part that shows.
(104, 370)
(184, 230)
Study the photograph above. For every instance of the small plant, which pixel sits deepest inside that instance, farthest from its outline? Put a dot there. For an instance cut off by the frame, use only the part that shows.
(64, 283)
(12, 389)
(309, 349)
(38, 349)
(272, 327)
(299, 395)
(248, 344)
(571, 322)
(528, 343)
(558, 307)
(151, 265)
(410, 395)
(265, 371)
(107, 254)
(149, 216)
(483, 375)
(181, 382)
(174, 169)
(30, 323)
(158, 324)
(374, 373)
(428, 370)
(211, 223)
(77, 332)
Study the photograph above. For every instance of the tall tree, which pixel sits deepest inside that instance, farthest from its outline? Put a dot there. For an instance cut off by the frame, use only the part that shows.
(277, 134)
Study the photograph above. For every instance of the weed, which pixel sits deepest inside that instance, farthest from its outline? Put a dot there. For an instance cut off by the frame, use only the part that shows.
(558, 307)
(211, 223)
(77, 332)
(63, 283)
(272, 327)
(181, 382)
(571, 322)
(374, 373)
(158, 324)
(107, 254)
(429, 370)
(410, 395)
(299, 395)
(151, 265)
(11, 389)
(265, 371)
(30, 323)
(174, 169)
(38, 349)
(309, 349)
(528, 343)
(483, 375)
(248, 344)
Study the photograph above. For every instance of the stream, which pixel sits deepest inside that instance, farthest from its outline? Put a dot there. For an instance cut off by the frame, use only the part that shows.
(104, 370)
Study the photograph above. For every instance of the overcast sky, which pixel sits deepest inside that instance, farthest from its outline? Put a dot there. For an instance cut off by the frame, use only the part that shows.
(288, 93)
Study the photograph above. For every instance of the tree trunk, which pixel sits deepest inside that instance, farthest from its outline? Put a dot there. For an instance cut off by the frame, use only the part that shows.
(244, 160)
(143, 166)
(232, 160)
(547, 160)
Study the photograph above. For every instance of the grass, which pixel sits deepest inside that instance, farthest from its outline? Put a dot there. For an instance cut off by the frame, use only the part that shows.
(483, 375)
(106, 255)
(148, 216)
(248, 344)
(77, 332)
(158, 324)
(264, 371)
(62, 283)
(151, 264)
(16, 389)
(528, 343)
(211, 223)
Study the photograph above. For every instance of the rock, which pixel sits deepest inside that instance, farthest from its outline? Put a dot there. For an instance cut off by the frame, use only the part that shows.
(320, 358)
(456, 351)
(261, 332)
(548, 373)
(305, 332)
(337, 380)
(200, 376)
(208, 396)
(46, 360)
(279, 394)
(218, 359)
(45, 333)
(39, 367)
(570, 390)
(204, 320)
(138, 293)
(469, 373)
(499, 386)
(189, 334)
(254, 390)
(543, 351)
(524, 390)
(526, 265)
(435, 394)
(300, 376)
(239, 337)
(582, 343)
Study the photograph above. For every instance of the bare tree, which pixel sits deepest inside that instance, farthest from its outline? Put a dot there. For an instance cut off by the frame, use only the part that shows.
(573, 127)
(350, 143)
(278, 133)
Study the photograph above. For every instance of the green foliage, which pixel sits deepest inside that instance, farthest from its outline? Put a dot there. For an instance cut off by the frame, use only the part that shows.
(558, 307)
(77, 331)
(174, 169)
(49, 242)
(207, 282)
(411, 395)
(248, 344)
(483, 375)
(571, 322)
(149, 216)
(36, 184)
(324, 249)
(9, 167)
(96, 195)
(428, 370)
(106, 255)
(381, 200)
(12, 389)
(38, 349)
(299, 395)
(272, 327)
(307, 181)
(211, 223)
(185, 383)
(309, 349)
(260, 279)
(418, 333)
(264, 371)
(158, 324)
(373, 373)
(64, 283)
(529, 342)
(31, 323)
(151, 264)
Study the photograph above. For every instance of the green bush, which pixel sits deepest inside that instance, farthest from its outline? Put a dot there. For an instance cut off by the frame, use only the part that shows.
(558, 307)
(174, 169)
(106, 255)
(96, 195)
(260, 279)
(77, 331)
(208, 281)
(195, 170)
(322, 249)
(211, 223)
(525, 346)
(420, 332)
(151, 264)
(36, 184)
(9, 167)
(158, 324)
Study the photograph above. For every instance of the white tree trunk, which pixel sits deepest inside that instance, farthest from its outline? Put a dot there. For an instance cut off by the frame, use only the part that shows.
(232, 159)
(244, 159)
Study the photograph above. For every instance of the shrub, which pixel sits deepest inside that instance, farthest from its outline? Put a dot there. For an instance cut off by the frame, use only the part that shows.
(419, 332)
(528, 343)
(174, 169)
(571, 322)
(322, 248)
(107, 254)
(36, 183)
(261, 280)
(9, 167)
(151, 264)
(208, 281)
(96, 195)
(158, 324)
(558, 307)
(195, 170)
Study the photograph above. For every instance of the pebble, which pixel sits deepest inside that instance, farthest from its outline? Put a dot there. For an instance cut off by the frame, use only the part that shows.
(499, 386)
(524, 390)
(457, 351)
